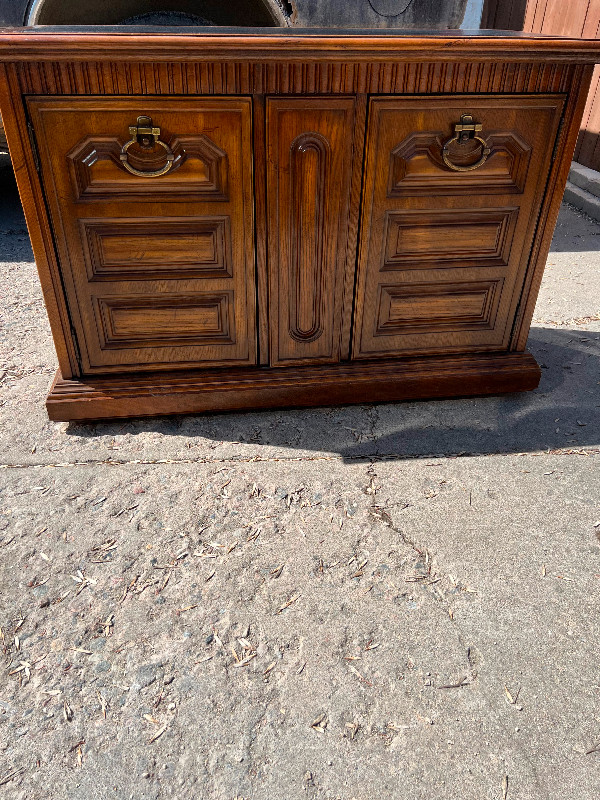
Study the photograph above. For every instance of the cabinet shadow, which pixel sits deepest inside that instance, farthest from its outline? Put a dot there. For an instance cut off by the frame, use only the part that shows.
(564, 412)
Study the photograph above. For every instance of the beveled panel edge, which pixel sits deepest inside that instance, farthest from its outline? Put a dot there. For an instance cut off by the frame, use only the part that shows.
(104, 308)
(92, 230)
(308, 145)
(91, 149)
(490, 290)
(506, 219)
(449, 183)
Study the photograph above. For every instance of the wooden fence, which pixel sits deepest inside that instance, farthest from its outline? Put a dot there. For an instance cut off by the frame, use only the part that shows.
(574, 18)
(579, 18)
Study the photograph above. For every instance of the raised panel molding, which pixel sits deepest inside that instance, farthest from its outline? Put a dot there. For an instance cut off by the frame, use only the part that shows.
(309, 172)
(150, 321)
(158, 271)
(97, 173)
(437, 307)
(444, 252)
(310, 156)
(395, 322)
(130, 249)
(417, 168)
(448, 238)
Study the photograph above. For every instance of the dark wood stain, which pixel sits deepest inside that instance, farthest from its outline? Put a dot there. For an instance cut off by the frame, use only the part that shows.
(309, 245)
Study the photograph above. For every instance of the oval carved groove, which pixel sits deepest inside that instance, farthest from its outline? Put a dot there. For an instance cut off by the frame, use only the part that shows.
(309, 179)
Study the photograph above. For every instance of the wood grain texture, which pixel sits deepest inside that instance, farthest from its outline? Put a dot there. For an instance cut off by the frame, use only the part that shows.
(178, 247)
(152, 228)
(397, 75)
(309, 172)
(253, 235)
(30, 45)
(34, 207)
(424, 234)
(358, 148)
(581, 20)
(557, 179)
(260, 221)
(199, 169)
(199, 392)
(448, 238)
(507, 15)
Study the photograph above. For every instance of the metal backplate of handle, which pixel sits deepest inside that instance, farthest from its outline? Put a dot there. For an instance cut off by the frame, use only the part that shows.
(466, 130)
(144, 134)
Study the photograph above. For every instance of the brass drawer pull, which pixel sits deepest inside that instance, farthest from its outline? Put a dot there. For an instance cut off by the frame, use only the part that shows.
(464, 131)
(146, 136)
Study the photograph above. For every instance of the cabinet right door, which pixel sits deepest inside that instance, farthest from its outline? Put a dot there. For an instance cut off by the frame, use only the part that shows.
(448, 219)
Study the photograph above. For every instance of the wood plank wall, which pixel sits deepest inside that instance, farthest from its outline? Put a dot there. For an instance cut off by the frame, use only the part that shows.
(504, 15)
(579, 18)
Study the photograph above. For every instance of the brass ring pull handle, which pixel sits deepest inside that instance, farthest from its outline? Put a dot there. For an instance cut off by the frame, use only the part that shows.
(146, 136)
(464, 131)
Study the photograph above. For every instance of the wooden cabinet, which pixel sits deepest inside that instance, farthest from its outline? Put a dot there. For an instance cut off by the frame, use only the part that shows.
(251, 221)
(158, 272)
(444, 249)
(309, 171)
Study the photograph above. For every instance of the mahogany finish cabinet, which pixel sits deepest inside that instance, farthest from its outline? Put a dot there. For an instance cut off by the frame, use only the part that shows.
(234, 219)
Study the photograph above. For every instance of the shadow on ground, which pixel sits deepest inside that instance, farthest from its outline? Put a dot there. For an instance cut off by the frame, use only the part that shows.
(563, 412)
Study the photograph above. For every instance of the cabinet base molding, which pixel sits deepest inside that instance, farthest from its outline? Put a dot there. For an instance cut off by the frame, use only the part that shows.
(203, 391)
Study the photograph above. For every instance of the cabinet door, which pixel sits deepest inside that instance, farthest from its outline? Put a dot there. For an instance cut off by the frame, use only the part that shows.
(158, 271)
(444, 248)
(309, 170)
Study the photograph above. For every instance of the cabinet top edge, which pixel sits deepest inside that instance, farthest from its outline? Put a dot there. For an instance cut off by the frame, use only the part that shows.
(285, 44)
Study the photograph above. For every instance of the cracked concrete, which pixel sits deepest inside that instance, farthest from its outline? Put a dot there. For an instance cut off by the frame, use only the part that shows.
(398, 601)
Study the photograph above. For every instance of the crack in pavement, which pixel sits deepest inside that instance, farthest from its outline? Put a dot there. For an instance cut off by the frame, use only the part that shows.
(363, 457)
(471, 652)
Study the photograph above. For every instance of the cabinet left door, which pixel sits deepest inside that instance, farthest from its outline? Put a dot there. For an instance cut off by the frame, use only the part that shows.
(156, 243)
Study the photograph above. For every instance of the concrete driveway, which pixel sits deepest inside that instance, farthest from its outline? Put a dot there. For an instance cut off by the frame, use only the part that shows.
(396, 602)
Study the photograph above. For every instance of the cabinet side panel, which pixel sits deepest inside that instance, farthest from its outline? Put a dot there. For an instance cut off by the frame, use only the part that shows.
(32, 198)
(551, 206)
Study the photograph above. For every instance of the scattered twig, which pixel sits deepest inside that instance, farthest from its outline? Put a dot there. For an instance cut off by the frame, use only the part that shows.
(158, 733)
(320, 723)
(459, 684)
(9, 776)
(288, 603)
(67, 711)
(512, 699)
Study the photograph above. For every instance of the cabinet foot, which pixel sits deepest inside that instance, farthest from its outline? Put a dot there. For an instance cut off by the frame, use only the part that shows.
(144, 395)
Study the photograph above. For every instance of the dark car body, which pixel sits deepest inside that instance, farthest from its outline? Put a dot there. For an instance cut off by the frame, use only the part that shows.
(435, 14)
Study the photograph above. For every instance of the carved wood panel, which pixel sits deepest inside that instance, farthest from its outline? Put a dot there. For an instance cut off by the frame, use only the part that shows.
(127, 249)
(200, 319)
(444, 252)
(199, 169)
(309, 168)
(448, 238)
(416, 166)
(395, 74)
(437, 306)
(159, 272)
